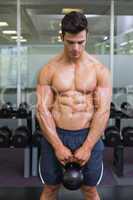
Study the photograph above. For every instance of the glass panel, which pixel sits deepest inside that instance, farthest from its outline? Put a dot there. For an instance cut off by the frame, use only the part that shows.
(40, 31)
(99, 36)
(123, 70)
(40, 39)
(8, 51)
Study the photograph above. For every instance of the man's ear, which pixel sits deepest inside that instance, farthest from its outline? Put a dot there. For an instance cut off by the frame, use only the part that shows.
(62, 36)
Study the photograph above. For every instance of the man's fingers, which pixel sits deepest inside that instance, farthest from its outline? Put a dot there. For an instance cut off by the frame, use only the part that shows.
(66, 160)
(82, 163)
(62, 162)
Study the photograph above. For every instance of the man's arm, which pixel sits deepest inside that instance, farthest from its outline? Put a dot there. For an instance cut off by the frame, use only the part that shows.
(45, 100)
(102, 101)
(46, 122)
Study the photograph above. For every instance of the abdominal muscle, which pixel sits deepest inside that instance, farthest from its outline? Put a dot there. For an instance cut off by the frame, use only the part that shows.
(73, 110)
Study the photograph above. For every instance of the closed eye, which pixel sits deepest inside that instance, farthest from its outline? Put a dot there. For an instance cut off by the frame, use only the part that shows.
(71, 42)
(81, 42)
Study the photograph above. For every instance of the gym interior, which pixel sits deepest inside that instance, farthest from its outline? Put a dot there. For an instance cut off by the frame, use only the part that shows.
(29, 37)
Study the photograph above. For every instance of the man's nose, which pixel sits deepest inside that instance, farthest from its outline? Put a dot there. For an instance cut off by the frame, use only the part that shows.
(75, 46)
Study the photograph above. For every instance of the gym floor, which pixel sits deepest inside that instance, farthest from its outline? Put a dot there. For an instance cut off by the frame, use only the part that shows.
(32, 193)
(14, 186)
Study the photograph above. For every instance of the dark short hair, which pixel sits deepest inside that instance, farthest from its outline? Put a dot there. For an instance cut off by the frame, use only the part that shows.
(74, 22)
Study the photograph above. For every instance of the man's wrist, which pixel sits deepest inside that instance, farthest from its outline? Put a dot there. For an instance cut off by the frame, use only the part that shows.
(57, 146)
(87, 146)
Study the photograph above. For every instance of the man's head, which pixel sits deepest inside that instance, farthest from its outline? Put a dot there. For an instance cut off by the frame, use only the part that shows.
(74, 34)
(74, 22)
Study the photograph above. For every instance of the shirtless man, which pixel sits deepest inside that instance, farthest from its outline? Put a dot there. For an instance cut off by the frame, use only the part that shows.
(73, 107)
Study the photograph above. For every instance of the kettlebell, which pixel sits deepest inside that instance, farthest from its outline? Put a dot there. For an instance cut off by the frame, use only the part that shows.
(72, 176)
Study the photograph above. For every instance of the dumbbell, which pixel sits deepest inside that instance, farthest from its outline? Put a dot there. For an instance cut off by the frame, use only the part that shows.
(125, 105)
(36, 138)
(112, 106)
(112, 136)
(127, 109)
(7, 109)
(23, 108)
(21, 137)
(5, 135)
(37, 125)
(114, 112)
(72, 176)
(112, 109)
(127, 134)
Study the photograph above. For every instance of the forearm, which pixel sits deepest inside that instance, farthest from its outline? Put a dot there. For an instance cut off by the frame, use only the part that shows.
(97, 127)
(48, 128)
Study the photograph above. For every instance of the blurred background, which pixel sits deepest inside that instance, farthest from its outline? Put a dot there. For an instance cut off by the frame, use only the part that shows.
(30, 36)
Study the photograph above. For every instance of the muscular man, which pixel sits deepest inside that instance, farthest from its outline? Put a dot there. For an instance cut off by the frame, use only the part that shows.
(73, 106)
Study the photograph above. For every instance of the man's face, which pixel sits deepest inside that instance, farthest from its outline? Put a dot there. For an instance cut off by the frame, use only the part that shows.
(74, 44)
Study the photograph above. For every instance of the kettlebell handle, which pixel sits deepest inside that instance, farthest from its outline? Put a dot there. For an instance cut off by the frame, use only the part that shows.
(72, 165)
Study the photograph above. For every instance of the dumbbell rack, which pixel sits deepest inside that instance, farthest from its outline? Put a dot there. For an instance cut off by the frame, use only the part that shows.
(118, 152)
(27, 152)
(35, 149)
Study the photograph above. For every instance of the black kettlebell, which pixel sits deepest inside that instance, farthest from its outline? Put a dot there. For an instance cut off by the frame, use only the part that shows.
(72, 176)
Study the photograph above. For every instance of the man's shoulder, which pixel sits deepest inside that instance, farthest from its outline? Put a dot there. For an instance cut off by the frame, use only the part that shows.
(45, 74)
(51, 65)
(47, 71)
(98, 65)
(93, 60)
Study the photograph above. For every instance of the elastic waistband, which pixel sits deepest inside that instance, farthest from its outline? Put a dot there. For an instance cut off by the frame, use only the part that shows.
(79, 131)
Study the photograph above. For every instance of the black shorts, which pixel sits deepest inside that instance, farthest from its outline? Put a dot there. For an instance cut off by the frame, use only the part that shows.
(50, 170)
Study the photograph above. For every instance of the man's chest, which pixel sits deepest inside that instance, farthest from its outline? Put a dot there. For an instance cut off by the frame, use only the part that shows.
(82, 79)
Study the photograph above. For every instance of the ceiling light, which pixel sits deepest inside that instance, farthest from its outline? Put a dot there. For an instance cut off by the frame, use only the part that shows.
(59, 39)
(131, 51)
(23, 40)
(123, 44)
(130, 41)
(9, 32)
(105, 38)
(3, 24)
(16, 37)
(68, 10)
(91, 16)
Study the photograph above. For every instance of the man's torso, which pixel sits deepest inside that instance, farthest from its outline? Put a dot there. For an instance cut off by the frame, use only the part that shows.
(74, 86)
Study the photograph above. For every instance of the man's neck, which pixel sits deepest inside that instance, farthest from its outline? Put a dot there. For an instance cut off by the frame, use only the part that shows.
(74, 60)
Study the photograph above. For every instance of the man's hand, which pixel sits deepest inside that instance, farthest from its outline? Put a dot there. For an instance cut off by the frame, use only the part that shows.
(82, 155)
(64, 155)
